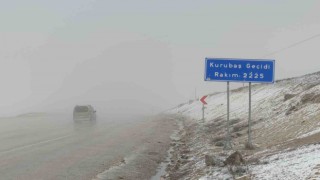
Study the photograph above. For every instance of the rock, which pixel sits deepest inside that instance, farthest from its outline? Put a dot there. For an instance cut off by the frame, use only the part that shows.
(235, 135)
(240, 127)
(239, 170)
(265, 162)
(234, 159)
(218, 139)
(254, 160)
(288, 96)
(290, 110)
(209, 160)
(214, 161)
(234, 121)
(184, 156)
(251, 146)
(219, 144)
(310, 98)
(218, 161)
(185, 151)
(246, 177)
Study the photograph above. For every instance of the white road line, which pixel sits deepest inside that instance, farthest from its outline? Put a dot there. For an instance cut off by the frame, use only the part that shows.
(34, 144)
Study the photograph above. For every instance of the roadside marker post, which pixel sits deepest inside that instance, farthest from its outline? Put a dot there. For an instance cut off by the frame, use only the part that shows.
(203, 112)
(203, 107)
(239, 70)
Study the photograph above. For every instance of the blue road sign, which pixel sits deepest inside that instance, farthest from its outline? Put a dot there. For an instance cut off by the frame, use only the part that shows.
(239, 70)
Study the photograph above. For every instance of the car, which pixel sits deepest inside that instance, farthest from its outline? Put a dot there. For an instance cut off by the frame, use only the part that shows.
(84, 113)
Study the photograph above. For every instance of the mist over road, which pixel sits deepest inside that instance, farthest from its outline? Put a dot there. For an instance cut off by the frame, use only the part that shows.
(43, 146)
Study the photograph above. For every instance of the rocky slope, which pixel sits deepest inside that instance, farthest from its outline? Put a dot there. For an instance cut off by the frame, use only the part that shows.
(285, 131)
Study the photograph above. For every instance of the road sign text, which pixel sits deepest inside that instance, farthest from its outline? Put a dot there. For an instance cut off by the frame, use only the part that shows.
(239, 70)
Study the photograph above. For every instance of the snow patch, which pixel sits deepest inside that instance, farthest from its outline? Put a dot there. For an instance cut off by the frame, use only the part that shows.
(309, 133)
(297, 164)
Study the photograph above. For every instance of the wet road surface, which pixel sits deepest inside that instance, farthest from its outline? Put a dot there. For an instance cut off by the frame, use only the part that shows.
(41, 146)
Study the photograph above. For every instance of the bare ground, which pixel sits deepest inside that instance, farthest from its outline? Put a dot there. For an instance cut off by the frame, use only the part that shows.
(188, 151)
(144, 161)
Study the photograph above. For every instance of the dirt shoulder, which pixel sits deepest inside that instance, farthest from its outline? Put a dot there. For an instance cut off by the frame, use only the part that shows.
(184, 155)
(143, 162)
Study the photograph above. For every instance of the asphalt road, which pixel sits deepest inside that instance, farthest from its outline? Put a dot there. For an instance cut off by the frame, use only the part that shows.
(41, 146)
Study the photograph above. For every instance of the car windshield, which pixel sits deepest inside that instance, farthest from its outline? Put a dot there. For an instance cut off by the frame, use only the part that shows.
(81, 109)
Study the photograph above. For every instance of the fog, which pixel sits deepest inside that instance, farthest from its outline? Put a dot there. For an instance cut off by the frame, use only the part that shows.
(131, 77)
(142, 57)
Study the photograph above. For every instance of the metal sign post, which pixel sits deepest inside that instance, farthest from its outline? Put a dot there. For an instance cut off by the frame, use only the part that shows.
(227, 144)
(239, 70)
(250, 145)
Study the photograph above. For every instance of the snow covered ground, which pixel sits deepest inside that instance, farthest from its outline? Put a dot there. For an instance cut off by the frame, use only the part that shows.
(286, 124)
(294, 165)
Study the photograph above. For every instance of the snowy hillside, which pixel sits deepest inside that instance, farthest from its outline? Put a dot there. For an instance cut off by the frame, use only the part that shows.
(286, 129)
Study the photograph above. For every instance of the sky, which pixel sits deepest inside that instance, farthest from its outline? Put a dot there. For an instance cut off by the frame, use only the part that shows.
(141, 56)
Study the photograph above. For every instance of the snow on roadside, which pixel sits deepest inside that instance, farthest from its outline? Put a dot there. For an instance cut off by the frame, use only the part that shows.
(283, 112)
(310, 133)
(297, 164)
(217, 173)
